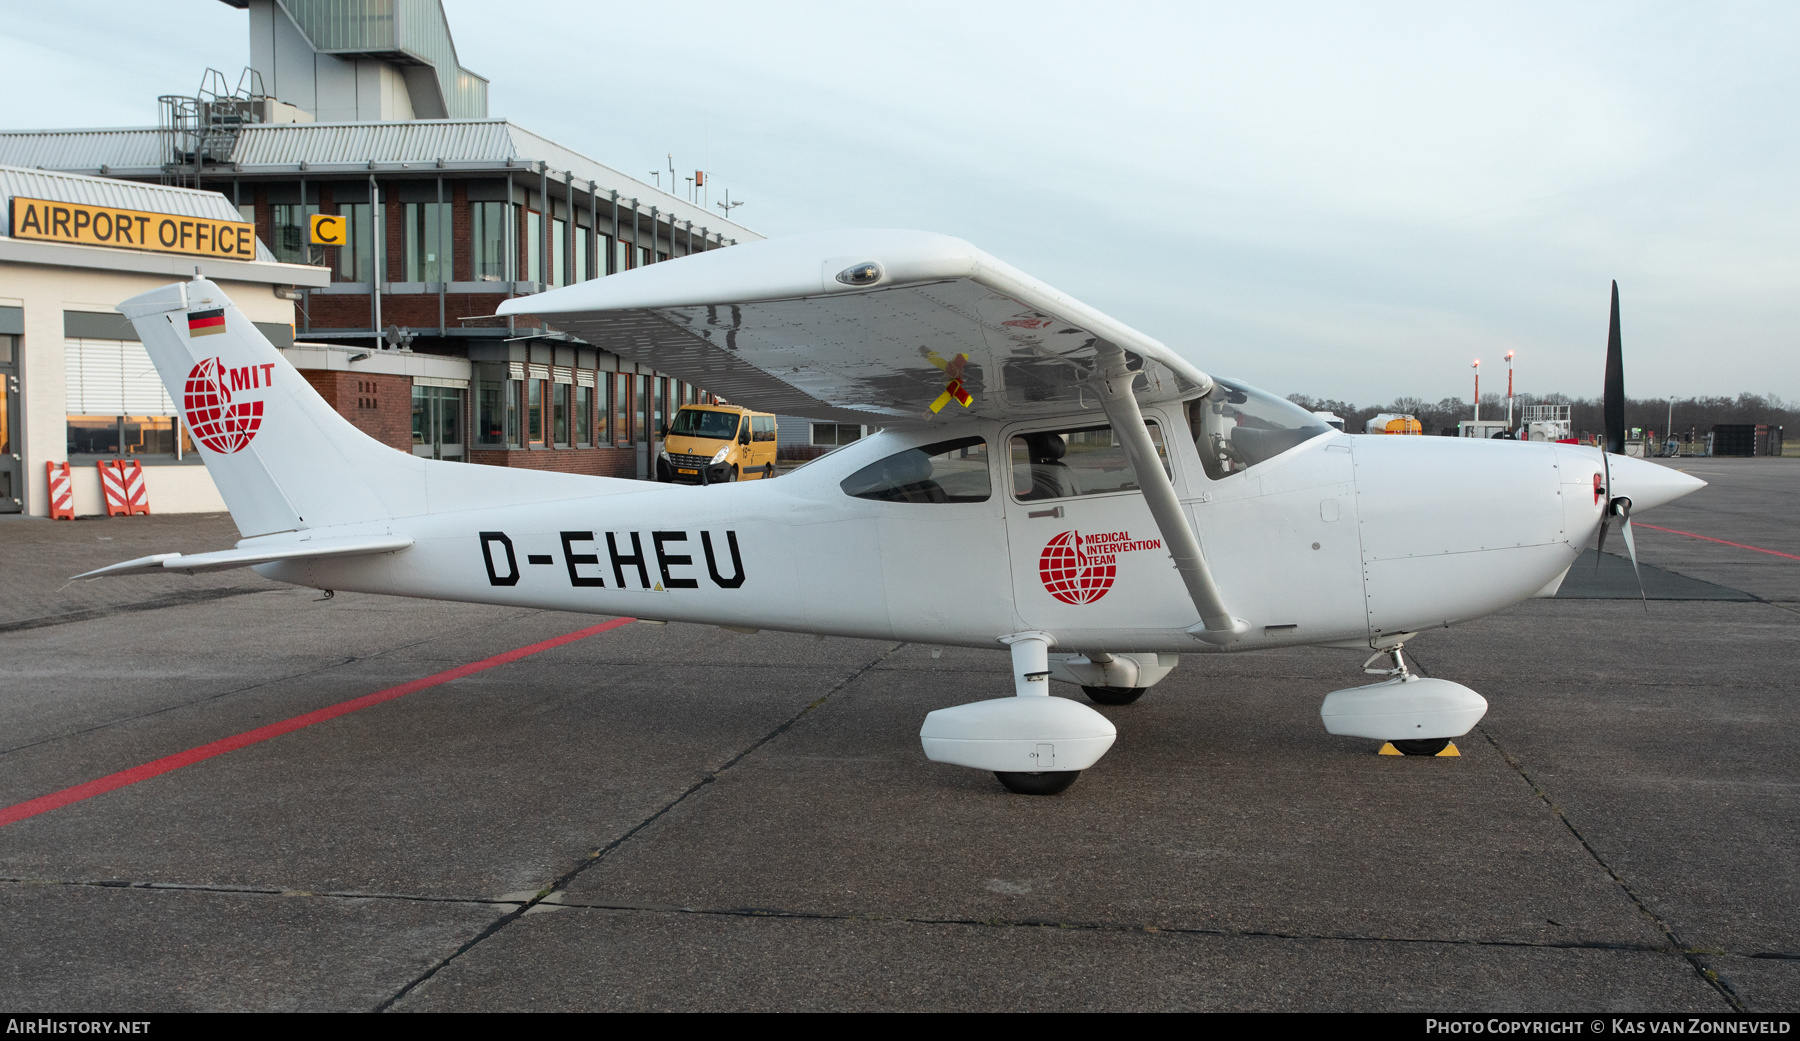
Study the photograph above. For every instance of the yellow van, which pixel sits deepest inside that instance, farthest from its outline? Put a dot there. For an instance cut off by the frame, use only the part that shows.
(706, 444)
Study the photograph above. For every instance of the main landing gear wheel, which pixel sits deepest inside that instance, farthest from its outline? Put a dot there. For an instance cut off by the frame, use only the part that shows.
(1048, 783)
(1113, 695)
(1424, 746)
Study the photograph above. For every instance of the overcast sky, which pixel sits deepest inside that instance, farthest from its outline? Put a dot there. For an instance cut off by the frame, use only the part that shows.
(1344, 200)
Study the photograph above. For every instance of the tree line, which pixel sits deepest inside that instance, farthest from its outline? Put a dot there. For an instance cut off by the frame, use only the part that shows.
(1696, 415)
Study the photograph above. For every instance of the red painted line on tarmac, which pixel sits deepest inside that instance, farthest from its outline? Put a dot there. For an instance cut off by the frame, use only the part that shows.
(157, 767)
(1722, 542)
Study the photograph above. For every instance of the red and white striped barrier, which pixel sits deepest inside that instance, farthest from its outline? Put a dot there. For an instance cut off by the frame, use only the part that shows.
(62, 495)
(122, 481)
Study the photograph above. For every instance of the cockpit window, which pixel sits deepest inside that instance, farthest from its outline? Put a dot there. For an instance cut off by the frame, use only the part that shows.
(948, 471)
(1236, 426)
(1059, 464)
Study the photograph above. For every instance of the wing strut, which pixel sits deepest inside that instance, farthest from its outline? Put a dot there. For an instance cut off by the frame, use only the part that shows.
(1217, 626)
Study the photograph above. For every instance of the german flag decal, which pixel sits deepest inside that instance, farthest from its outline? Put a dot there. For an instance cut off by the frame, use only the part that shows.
(206, 323)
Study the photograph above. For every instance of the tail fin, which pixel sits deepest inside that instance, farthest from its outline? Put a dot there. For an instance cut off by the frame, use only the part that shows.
(282, 458)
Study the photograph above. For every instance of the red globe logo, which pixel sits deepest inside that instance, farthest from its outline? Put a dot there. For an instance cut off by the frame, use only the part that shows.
(1070, 574)
(216, 421)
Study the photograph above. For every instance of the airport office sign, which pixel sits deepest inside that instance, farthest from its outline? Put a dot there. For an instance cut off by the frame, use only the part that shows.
(85, 225)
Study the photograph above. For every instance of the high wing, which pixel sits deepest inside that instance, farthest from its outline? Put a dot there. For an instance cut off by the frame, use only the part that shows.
(861, 325)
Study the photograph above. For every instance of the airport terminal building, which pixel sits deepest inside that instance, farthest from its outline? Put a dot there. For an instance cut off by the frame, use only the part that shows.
(362, 112)
(78, 386)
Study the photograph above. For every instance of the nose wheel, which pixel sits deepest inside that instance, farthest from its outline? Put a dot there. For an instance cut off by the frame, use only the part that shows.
(1431, 746)
(1047, 783)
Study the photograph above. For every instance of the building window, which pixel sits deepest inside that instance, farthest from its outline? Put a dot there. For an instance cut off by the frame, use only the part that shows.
(534, 246)
(559, 244)
(437, 422)
(534, 411)
(835, 433)
(584, 415)
(603, 410)
(290, 228)
(427, 242)
(487, 240)
(621, 408)
(559, 413)
(584, 241)
(643, 253)
(356, 255)
(117, 405)
(641, 407)
(495, 422)
(131, 437)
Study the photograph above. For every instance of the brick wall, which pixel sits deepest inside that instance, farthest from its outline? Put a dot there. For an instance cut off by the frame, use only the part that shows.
(340, 312)
(408, 311)
(596, 462)
(377, 404)
(411, 311)
(462, 264)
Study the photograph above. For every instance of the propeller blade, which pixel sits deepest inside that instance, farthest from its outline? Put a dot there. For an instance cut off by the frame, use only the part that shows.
(1613, 393)
(1623, 506)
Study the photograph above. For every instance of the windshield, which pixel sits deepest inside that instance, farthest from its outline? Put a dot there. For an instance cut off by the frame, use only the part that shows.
(699, 422)
(1236, 426)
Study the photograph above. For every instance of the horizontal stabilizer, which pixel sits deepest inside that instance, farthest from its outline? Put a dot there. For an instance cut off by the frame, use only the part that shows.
(225, 560)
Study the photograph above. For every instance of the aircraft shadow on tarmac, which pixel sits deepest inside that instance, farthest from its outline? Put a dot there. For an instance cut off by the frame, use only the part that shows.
(1613, 580)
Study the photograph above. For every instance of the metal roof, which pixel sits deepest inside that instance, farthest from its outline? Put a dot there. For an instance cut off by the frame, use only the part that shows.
(414, 141)
(336, 148)
(125, 195)
(136, 147)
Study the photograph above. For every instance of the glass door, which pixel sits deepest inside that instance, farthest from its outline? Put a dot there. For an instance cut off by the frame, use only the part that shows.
(12, 482)
(438, 422)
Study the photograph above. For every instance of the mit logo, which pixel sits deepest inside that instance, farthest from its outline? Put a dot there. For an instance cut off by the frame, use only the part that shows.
(220, 414)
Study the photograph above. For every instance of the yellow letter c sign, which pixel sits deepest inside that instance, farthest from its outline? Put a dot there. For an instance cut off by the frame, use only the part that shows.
(327, 229)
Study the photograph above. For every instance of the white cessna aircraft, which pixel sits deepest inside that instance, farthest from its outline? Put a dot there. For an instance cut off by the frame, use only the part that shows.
(1046, 479)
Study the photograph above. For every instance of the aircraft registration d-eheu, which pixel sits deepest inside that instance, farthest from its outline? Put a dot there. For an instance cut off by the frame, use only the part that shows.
(1045, 480)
